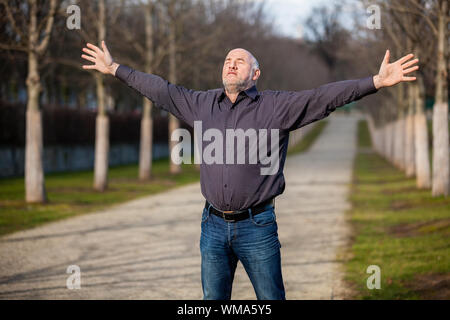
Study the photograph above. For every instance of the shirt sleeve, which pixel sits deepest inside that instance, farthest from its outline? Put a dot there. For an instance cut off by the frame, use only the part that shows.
(179, 101)
(295, 109)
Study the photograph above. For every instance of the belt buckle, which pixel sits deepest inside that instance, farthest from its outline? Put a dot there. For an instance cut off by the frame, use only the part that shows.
(225, 219)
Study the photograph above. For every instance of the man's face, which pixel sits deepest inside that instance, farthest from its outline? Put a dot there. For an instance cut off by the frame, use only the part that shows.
(237, 73)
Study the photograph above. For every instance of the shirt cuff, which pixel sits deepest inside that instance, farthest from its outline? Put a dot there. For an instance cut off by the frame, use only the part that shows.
(123, 72)
(366, 86)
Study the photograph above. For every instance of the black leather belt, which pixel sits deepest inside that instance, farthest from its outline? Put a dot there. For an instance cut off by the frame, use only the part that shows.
(238, 215)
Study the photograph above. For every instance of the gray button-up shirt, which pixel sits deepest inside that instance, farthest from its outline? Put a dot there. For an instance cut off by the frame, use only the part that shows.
(239, 186)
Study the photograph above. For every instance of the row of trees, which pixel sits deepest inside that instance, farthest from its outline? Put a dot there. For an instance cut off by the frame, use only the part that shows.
(398, 122)
(185, 41)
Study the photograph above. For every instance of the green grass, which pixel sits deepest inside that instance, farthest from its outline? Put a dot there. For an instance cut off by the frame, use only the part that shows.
(403, 230)
(308, 139)
(72, 194)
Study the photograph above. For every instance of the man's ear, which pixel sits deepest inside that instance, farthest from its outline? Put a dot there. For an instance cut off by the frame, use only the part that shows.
(256, 75)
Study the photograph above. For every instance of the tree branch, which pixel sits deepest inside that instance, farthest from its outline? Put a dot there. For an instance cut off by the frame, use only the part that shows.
(11, 20)
(5, 46)
(136, 45)
(117, 11)
(48, 28)
(404, 10)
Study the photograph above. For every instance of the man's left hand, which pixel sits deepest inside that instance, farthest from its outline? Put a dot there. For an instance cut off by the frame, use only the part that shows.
(392, 73)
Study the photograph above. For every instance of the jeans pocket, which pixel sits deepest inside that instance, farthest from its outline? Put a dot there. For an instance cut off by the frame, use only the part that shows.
(265, 218)
(205, 215)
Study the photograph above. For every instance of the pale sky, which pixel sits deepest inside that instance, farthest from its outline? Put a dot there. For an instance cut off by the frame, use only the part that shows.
(289, 15)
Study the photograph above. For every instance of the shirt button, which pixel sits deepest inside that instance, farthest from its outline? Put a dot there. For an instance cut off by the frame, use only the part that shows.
(225, 185)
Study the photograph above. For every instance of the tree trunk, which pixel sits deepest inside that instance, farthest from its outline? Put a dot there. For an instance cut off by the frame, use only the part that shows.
(441, 165)
(101, 139)
(381, 132)
(385, 129)
(145, 151)
(372, 131)
(174, 124)
(380, 139)
(423, 178)
(399, 135)
(375, 135)
(409, 136)
(102, 121)
(145, 154)
(390, 141)
(399, 144)
(34, 167)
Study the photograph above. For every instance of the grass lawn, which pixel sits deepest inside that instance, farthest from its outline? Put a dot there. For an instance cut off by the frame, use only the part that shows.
(403, 230)
(71, 193)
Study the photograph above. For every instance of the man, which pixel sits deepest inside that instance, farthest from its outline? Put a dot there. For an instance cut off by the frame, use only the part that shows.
(238, 221)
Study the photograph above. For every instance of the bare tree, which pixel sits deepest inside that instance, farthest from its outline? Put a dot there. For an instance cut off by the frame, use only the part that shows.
(31, 24)
(176, 12)
(102, 121)
(174, 123)
(96, 32)
(402, 18)
(147, 53)
(146, 141)
(329, 37)
(436, 15)
(423, 174)
(169, 17)
(441, 164)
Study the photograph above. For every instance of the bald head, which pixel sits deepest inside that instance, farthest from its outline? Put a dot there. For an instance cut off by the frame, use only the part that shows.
(250, 57)
(240, 70)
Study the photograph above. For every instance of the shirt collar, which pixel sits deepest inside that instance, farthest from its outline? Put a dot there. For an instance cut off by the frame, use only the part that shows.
(251, 92)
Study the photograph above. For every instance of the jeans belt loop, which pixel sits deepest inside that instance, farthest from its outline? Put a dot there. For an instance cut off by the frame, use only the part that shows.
(250, 213)
(209, 207)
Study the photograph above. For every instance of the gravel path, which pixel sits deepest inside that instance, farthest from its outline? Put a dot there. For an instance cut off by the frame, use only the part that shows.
(149, 248)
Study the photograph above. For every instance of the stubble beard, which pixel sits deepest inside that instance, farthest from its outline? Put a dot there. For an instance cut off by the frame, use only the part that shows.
(236, 86)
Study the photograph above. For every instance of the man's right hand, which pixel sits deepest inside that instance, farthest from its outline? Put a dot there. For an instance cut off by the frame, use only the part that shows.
(102, 59)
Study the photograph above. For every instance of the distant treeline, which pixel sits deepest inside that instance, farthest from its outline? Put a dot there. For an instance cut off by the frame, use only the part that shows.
(206, 30)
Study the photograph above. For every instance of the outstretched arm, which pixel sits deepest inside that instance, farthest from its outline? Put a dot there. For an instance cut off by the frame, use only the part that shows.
(295, 109)
(181, 102)
(392, 73)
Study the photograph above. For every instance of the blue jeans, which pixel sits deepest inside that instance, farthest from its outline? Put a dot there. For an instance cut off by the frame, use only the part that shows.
(254, 242)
